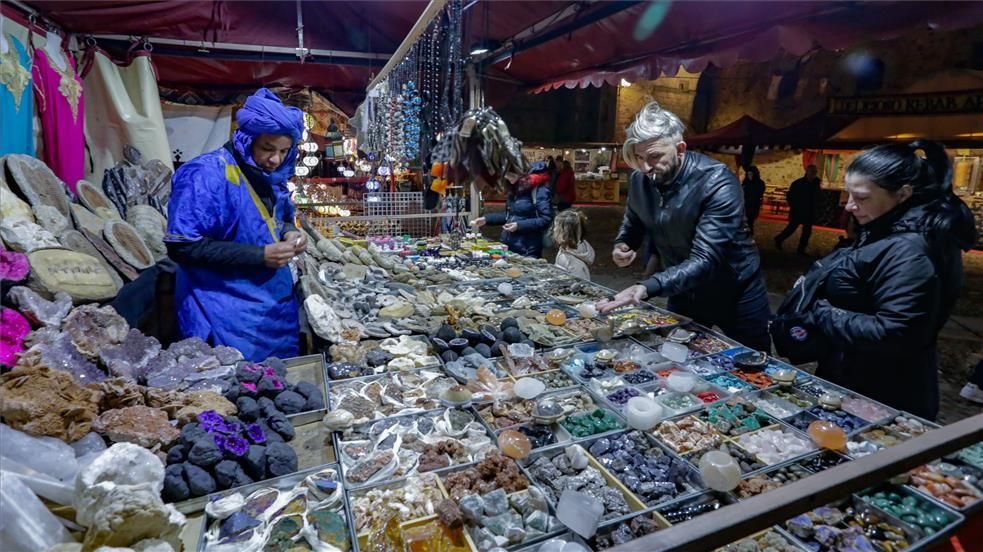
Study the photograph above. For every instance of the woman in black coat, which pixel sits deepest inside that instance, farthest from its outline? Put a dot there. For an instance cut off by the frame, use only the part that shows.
(881, 306)
(528, 214)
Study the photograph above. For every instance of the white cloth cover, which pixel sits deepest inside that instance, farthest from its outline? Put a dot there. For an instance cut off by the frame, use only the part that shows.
(196, 129)
(122, 107)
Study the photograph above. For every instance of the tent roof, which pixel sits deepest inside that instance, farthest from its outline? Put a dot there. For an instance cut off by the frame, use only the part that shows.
(811, 132)
(549, 43)
(641, 40)
(365, 26)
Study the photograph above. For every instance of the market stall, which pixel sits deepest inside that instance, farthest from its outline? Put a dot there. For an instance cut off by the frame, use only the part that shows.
(455, 396)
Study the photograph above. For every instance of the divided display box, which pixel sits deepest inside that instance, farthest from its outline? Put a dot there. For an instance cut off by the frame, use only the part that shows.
(390, 394)
(403, 360)
(309, 368)
(702, 341)
(953, 483)
(397, 447)
(286, 511)
(375, 499)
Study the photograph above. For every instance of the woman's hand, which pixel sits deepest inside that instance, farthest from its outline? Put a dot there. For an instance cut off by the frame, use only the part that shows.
(479, 222)
(510, 226)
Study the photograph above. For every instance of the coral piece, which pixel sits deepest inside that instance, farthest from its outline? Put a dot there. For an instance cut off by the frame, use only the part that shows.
(39, 310)
(94, 328)
(41, 401)
(129, 359)
(15, 329)
(142, 425)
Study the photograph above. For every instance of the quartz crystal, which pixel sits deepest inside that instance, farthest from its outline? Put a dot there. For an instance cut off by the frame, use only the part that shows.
(774, 445)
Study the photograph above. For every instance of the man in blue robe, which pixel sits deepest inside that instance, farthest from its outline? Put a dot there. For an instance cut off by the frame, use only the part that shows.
(231, 231)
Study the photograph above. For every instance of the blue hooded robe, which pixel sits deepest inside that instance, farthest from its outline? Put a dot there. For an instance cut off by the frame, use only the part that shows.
(249, 307)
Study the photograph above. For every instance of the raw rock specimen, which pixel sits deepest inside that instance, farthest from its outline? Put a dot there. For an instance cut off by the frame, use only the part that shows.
(141, 425)
(494, 472)
(41, 401)
(93, 329)
(117, 497)
(58, 352)
(130, 358)
(38, 309)
(15, 329)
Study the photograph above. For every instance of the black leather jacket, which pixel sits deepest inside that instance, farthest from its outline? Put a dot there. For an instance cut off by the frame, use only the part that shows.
(696, 225)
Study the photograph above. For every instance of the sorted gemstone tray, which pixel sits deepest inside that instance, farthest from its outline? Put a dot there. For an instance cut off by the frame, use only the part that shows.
(553, 470)
(766, 446)
(261, 497)
(400, 446)
(847, 422)
(390, 394)
(309, 368)
(688, 508)
(949, 483)
(619, 532)
(702, 341)
(928, 518)
(378, 499)
(648, 469)
(774, 539)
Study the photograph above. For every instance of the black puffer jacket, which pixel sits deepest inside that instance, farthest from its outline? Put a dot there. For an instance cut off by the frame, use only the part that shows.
(883, 305)
(696, 225)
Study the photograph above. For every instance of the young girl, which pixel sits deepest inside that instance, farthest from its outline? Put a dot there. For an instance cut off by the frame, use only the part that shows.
(574, 253)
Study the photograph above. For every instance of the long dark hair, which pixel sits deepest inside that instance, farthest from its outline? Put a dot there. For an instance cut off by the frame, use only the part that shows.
(892, 166)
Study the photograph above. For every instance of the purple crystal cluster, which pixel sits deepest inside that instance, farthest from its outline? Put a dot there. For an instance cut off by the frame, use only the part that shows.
(217, 453)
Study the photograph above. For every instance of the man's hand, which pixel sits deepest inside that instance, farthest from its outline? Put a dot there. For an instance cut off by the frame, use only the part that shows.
(479, 222)
(298, 240)
(623, 255)
(277, 255)
(510, 226)
(631, 296)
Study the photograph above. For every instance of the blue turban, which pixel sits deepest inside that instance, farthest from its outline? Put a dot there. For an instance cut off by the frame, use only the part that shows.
(264, 113)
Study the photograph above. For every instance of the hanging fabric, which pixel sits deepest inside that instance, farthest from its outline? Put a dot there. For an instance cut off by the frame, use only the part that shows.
(122, 108)
(16, 100)
(196, 129)
(61, 107)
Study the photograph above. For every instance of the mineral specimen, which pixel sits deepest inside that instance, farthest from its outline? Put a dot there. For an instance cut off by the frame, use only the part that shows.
(95, 328)
(38, 309)
(41, 401)
(141, 425)
(130, 358)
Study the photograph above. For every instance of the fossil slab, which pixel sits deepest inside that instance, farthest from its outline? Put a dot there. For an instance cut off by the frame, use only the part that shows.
(107, 251)
(128, 244)
(82, 276)
(43, 190)
(96, 201)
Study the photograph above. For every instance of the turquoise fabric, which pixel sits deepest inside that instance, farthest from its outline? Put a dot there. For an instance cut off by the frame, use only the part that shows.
(17, 114)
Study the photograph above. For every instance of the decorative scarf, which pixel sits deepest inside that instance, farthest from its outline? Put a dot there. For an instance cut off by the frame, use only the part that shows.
(264, 113)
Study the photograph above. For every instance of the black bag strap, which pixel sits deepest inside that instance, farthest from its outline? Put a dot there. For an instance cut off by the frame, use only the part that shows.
(804, 293)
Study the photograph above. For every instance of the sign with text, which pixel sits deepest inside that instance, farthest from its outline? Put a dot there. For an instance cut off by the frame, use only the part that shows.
(970, 101)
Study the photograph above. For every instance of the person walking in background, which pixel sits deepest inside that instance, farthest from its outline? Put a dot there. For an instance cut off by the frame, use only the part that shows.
(554, 170)
(754, 195)
(566, 188)
(973, 390)
(574, 254)
(802, 197)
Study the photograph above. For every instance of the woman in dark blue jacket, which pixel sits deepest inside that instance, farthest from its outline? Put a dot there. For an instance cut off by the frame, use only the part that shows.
(528, 214)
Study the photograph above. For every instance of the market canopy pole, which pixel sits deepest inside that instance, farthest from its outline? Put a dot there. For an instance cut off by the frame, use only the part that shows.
(433, 10)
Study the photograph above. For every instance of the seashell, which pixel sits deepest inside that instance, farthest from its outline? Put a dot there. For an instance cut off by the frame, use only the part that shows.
(339, 420)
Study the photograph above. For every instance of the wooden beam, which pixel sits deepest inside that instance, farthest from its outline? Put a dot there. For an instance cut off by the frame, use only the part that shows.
(433, 10)
(731, 523)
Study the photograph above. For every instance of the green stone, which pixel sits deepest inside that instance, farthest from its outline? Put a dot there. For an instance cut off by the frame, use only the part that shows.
(331, 528)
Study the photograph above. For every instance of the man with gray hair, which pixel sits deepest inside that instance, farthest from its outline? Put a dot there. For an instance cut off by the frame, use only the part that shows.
(692, 209)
